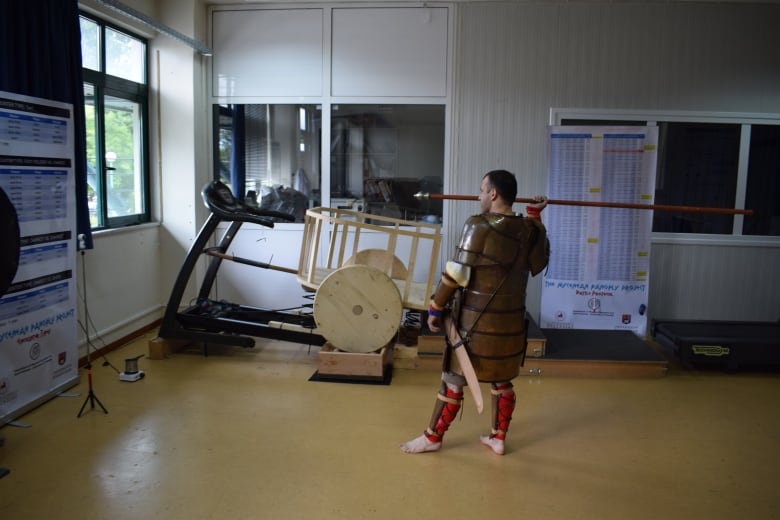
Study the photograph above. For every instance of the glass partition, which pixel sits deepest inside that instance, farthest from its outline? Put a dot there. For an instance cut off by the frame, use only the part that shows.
(270, 154)
(380, 156)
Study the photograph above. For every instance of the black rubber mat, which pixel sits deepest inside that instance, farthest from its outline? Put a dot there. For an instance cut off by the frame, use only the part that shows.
(386, 378)
(596, 345)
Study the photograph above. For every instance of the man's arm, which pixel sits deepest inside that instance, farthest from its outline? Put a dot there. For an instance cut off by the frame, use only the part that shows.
(534, 210)
(454, 275)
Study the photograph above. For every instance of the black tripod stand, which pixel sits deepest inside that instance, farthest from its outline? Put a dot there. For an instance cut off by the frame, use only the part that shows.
(91, 397)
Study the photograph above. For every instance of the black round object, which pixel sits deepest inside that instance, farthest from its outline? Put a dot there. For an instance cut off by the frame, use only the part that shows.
(9, 242)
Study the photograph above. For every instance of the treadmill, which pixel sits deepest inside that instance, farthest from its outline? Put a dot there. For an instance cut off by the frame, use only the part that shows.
(221, 322)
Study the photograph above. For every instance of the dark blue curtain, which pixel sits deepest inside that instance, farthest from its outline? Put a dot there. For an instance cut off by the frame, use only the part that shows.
(40, 55)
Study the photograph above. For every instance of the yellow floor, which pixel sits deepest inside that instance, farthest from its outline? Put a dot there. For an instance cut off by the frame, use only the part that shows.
(243, 434)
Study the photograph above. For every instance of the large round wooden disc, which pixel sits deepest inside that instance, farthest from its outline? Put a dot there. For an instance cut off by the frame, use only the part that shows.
(357, 308)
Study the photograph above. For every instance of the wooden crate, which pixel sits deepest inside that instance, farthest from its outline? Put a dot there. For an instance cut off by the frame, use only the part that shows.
(537, 341)
(333, 362)
(405, 357)
(430, 344)
(407, 251)
(536, 347)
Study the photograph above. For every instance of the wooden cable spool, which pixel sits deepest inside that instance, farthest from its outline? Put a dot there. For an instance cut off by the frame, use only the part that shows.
(357, 308)
(380, 259)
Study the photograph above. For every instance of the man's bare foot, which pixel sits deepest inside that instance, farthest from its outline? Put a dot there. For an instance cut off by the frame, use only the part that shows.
(420, 444)
(495, 444)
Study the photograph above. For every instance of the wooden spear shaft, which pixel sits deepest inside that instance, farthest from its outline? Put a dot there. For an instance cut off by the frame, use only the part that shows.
(627, 205)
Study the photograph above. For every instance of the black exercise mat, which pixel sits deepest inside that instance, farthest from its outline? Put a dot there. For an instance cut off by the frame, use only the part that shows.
(357, 380)
(597, 345)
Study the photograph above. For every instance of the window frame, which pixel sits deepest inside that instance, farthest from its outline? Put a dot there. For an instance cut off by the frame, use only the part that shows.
(107, 85)
(653, 118)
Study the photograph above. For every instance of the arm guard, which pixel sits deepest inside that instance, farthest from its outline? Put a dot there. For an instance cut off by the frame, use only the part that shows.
(454, 275)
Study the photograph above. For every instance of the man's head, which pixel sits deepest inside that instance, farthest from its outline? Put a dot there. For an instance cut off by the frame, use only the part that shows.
(499, 187)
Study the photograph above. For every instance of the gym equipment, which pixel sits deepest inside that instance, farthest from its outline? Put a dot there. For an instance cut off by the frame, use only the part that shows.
(225, 323)
(348, 259)
(720, 344)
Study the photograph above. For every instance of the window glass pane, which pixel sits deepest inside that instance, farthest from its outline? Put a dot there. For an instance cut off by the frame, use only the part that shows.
(763, 184)
(93, 179)
(116, 133)
(124, 186)
(697, 166)
(276, 150)
(125, 56)
(90, 44)
(382, 155)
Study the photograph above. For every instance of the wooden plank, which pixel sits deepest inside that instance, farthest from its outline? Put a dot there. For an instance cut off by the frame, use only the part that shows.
(598, 369)
(541, 367)
(588, 355)
(405, 357)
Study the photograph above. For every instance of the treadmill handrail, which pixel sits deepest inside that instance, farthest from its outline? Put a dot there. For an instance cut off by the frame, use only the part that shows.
(220, 200)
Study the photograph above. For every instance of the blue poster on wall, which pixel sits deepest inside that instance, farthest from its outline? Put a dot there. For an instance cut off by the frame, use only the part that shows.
(38, 335)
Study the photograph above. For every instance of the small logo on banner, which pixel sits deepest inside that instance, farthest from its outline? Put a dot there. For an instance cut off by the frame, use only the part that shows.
(626, 319)
(61, 358)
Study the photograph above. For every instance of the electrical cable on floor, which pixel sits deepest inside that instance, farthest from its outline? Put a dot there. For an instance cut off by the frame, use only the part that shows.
(106, 362)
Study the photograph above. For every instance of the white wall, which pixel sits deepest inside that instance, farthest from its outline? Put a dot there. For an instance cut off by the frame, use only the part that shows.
(514, 62)
(130, 271)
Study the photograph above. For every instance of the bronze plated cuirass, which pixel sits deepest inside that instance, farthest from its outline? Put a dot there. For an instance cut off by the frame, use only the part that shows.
(490, 311)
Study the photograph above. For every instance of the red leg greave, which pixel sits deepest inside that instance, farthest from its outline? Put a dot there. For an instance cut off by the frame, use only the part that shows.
(448, 402)
(503, 407)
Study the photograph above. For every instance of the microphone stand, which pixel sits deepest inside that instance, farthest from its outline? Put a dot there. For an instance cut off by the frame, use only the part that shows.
(91, 397)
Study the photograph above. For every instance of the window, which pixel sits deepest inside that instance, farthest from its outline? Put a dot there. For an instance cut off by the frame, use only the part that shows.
(697, 166)
(701, 163)
(763, 183)
(115, 98)
(380, 156)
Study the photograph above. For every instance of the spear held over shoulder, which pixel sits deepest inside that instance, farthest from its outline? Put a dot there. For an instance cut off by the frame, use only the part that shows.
(656, 207)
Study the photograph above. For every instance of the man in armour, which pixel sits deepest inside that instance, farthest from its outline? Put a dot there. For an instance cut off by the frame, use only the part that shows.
(480, 304)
